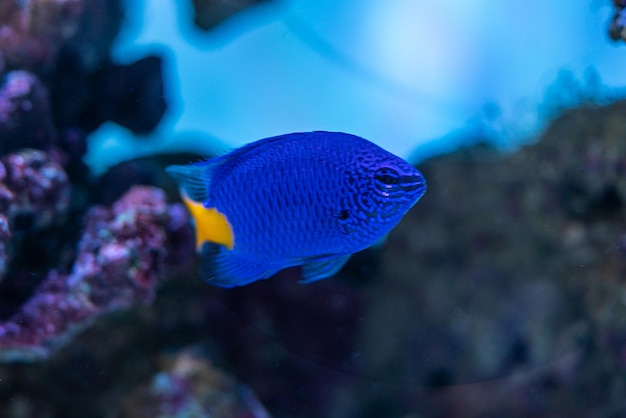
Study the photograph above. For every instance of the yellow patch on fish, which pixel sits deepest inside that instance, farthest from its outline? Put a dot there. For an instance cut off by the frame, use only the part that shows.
(211, 225)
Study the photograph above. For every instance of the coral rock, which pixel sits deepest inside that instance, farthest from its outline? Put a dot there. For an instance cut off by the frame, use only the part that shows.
(24, 113)
(189, 386)
(33, 31)
(33, 187)
(5, 236)
(122, 256)
(34, 192)
(210, 13)
(617, 28)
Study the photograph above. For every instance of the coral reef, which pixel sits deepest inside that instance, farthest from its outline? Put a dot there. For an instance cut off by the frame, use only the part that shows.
(25, 119)
(189, 386)
(58, 81)
(617, 28)
(74, 248)
(33, 187)
(123, 253)
(512, 269)
(522, 283)
(500, 294)
(5, 236)
(34, 191)
(34, 31)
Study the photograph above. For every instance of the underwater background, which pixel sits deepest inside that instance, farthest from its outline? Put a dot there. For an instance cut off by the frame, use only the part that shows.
(501, 293)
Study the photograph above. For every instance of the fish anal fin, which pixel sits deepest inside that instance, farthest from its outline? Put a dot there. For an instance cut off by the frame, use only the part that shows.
(224, 268)
(321, 269)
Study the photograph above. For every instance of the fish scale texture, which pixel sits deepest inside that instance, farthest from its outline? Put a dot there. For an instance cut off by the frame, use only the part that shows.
(283, 200)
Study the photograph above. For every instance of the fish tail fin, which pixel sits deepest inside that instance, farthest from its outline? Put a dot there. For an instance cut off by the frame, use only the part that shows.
(192, 179)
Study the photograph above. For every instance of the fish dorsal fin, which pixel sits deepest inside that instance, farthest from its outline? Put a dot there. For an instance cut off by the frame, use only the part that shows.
(194, 179)
(318, 270)
(263, 143)
(224, 268)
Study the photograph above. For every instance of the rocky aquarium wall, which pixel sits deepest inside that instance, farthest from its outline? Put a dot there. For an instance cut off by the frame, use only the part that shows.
(502, 293)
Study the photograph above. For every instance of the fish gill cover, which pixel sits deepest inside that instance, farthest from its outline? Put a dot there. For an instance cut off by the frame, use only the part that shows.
(499, 294)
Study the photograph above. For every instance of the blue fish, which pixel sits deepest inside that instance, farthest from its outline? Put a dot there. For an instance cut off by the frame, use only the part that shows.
(303, 199)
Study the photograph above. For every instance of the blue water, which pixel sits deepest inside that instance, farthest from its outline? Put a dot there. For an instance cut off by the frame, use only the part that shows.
(398, 72)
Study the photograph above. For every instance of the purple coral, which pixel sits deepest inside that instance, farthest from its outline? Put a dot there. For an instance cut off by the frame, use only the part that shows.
(190, 386)
(31, 187)
(617, 28)
(24, 112)
(5, 236)
(57, 84)
(33, 31)
(122, 256)
(31, 184)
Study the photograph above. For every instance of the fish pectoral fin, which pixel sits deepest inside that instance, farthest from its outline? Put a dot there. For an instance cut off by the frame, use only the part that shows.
(222, 267)
(318, 270)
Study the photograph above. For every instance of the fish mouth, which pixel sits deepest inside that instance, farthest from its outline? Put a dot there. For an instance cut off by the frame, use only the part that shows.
(413, 183)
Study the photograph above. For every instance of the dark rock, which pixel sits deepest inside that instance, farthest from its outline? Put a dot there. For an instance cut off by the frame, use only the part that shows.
(210, 13)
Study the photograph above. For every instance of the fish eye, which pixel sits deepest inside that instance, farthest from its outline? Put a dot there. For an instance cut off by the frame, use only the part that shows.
(387, 176)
